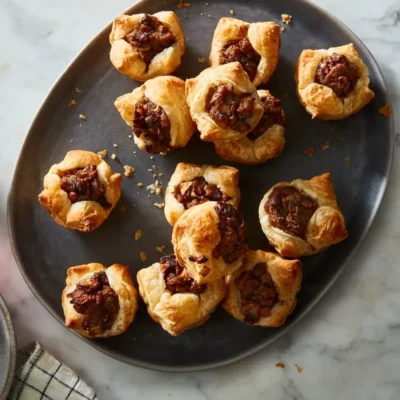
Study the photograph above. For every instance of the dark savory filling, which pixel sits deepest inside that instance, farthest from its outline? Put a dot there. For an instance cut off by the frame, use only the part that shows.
(290, 210)
(273, 114)
(176, 280)
(82, 184)
(150, 37)
(228, 109)
(197, 191)
(97, 301)
(338, 73)
(151, 121)
(257, 293)
(232, 231)
(242, 51)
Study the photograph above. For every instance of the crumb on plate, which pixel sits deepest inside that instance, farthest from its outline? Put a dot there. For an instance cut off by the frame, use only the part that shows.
(102, 153)
(78, 90)
(140, 184)
(326, 145)
(299, 369)
(386, 110)
(128, 170)
(160, 174)
(72, 103)
(201, 60)
(155, 188)
(138, 235)
(113, 156)
(347, 159)
(82, 117)
(159, 205)
(115, 145)
(183, 4)
(231, 12)
(143, 256)
(310, 151)
(282, 28)
(286, 18)
(123, 209)
(161, 249)
(280, 364)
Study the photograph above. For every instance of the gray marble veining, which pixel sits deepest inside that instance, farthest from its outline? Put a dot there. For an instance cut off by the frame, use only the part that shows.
(348, 346)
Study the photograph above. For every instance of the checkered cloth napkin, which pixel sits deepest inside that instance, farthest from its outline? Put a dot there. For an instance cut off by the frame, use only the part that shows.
(39, 376)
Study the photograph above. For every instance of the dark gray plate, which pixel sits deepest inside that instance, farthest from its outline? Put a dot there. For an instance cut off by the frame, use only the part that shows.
(8, 350)
(45, 250)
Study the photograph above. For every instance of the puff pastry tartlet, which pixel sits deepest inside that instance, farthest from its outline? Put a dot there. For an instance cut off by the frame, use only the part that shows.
(302, 217)
(174, 299)
(99, 302)
(255, 46)
(209, 240)
(223, 102)
(81, 191)
(332, 83)
(145, 46)
(263, 290)
(191, 185)
(158, 114)
(265, 141)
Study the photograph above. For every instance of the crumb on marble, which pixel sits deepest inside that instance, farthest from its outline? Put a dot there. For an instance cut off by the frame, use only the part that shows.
(115, 145)
(326, 145)
(161, 249)
(280, 364)
(149, 170)
(72, 103)
(310, 151)
(386, 110)
(154, 176)
(151, 158)
(286, 18)
(129, 136)
(299, 369)
(155, 187)
(102, 153)
(113, 156)
(154, 167)
(140, 184)
(160, 174)
(82, 117)
(138, 235)
(128, 170)
(232, 12)
(143, 256)
(201, 60)
(159, 205)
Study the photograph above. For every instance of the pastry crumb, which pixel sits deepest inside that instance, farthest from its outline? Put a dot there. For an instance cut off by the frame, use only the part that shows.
(149, 170)
(341, 138)
(140, 184)
(386, 110)
(115, 145)
(201, 60)
(159, 205)
(161, 249)
(78, 90)
(207, 4)
(129, 136)
(113, 156)
(282, 28)
(138, 235)
(123, 209)
(128, 170)
(151, 158)
(160, 174)
(231, 12)
(347, 159)
(325, 146)
(102, 153)
(164, 153)
(280, 364)
(310, 151)
(154, 167)
(201, 14)
(154, 176)
(299, 369)
(143, 256)
(155, 188)
(183, 4)
(82, 117)
(72, 103)
(209, 16)
(71, 140)
(286, 18)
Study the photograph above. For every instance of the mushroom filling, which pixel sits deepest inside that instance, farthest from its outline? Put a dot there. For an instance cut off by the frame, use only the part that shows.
(176, 279)
(232, 231)
(151, 121)
(197, 191)
(150, 37)
(82, 184)
(290, 210)
(338, 73)
(257, 293)
(97, 301)
(228, 109)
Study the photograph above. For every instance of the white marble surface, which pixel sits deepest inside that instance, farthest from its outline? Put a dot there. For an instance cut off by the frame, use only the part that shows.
(349, 345)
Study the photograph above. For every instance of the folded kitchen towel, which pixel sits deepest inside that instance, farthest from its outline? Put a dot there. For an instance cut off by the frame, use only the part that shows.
(39, 376)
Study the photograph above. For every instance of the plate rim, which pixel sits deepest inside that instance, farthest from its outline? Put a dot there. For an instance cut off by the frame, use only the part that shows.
(283, 330)
(13, 349)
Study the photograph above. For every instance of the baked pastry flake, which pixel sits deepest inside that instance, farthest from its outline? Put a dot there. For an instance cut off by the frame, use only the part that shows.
(262, 292)
(81, 191)
(209, 240)
(99, 302)
(158, 114)
(174, 299)
(332, 83)
(223, 102)
(191, 185)
(255, 46)
(264, 142)
(145, 46)
(302, 217)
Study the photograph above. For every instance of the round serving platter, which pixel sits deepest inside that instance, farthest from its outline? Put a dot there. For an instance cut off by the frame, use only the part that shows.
(359, 159)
